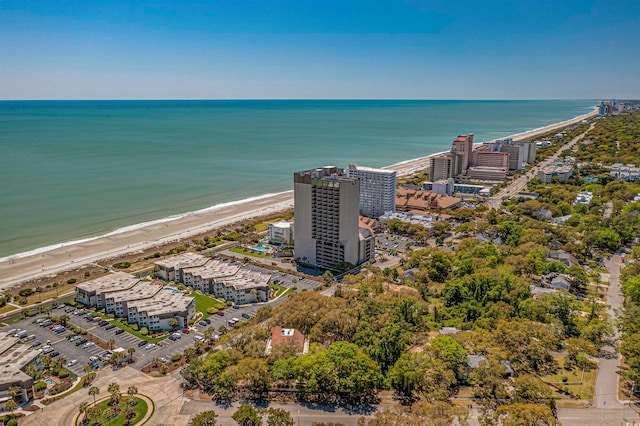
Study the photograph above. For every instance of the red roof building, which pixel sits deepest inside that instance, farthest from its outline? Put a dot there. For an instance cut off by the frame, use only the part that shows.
(281, 335)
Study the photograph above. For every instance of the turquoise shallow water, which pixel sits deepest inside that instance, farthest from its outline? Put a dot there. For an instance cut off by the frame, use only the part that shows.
(74, 169)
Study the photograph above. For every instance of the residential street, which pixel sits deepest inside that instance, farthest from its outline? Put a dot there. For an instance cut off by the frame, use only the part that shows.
(606, 391)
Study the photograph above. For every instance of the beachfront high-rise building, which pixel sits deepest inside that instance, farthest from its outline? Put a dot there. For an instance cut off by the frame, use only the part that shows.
(377, 189)
(463, 146)
(490, 159)
(326, 211)
(443, 166)
(520, 153)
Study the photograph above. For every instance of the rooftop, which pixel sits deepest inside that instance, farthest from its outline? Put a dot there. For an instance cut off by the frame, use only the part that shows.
(213, 269)
(168, 300)
(142, 290)
(112, 282)
(184, 260)
(371, 169)
(14, 359)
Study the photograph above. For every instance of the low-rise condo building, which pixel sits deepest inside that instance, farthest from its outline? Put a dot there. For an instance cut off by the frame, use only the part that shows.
(223, 278)
(560, 170)
(91, 293)
(156, 312)
(281, 232)
(169, 269)
(487, 173)
(148, 304)
(14, 360)
(421, 201)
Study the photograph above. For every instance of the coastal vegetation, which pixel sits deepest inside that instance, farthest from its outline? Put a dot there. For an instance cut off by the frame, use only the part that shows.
(468, 321)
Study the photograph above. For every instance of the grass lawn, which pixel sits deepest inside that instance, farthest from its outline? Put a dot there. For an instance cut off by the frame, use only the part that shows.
(262, 227)
(244, 252)
(278, 289)
(585, 390)
(205, 302)
(140, 409)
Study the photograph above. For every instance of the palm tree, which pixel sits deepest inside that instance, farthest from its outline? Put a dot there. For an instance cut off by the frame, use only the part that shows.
(109, 414)
(63, 319)
(131, 351)
(116, 397)
(84, 408)
(131, 391)
(13, 391)
(32, 371)
(10, 405)
(208, 333)
(93, 391)
(173, 323)
(111, 342)
(88, 368)
(94, 412)
(113, 387)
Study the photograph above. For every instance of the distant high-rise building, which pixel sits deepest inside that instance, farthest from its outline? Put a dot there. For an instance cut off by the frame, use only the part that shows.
(326, 211)
(444, 166)
(377, 189)
(464, 147)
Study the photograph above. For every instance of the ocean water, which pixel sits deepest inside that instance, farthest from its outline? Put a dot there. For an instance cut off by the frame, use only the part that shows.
(76, 169)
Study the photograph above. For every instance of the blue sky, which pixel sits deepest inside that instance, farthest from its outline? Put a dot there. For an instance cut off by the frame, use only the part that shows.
(235, 49)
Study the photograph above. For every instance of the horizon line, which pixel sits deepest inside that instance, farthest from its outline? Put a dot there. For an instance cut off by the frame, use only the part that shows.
(313, 99)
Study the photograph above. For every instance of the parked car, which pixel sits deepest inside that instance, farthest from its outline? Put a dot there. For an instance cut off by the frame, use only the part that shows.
(141, 343)
(54, 354)
(203, 323)
(81, 341)
(185, 331)
(36, 344)
(119, 331)
(198, 338)
(88, 345)
(150, 346)
(72, 363)
(221, 313)
(103, 323)
(110, 326)
(61, 330)
(173, 337)
(207, 320)
(47, 349)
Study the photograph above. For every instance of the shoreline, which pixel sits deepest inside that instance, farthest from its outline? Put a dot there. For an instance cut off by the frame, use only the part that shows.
(53, 259)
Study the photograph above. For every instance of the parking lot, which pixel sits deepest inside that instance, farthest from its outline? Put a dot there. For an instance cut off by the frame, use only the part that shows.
(70, 351)
(164, 349)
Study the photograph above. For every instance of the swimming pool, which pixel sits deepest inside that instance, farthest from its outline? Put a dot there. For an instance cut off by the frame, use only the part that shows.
(50, 382)
(172, 289)
(259, 248)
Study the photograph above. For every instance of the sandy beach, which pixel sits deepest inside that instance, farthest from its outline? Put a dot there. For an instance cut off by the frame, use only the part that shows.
(21, 268)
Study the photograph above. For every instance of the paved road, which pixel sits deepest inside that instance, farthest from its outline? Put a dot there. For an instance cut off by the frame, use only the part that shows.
(606, 392)
(520, 183)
